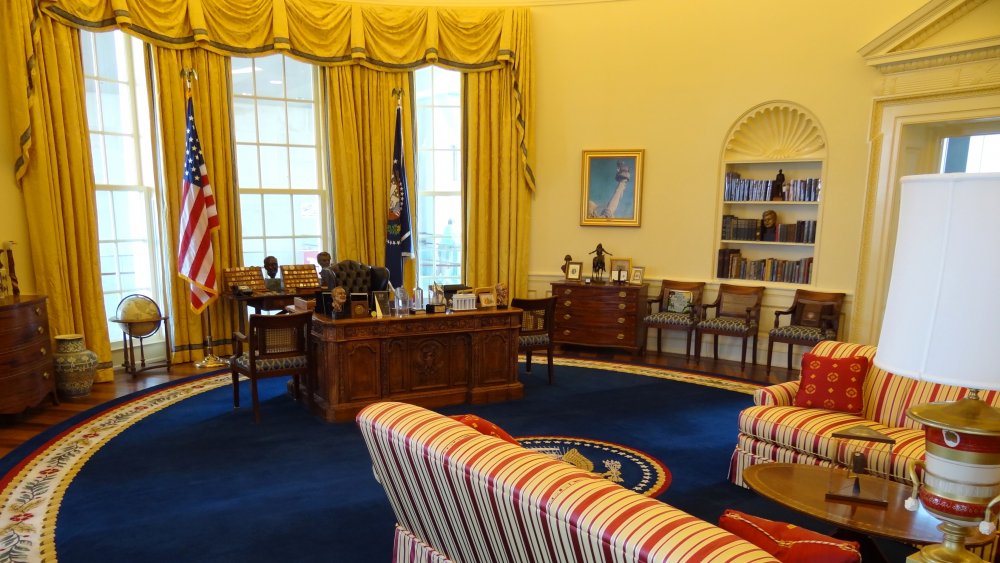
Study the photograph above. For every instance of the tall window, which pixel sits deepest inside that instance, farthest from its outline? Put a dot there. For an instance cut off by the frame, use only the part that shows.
(439, 176)
(121, 149)
(280, 173)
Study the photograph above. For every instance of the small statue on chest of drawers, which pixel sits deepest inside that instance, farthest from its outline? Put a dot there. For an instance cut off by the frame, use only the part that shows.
(597, 270)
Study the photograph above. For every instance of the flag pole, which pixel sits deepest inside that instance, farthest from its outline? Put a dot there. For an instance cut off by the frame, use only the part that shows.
(210, 360)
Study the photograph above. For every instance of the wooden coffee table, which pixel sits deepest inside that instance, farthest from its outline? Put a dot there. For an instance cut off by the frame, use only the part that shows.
(803, 489)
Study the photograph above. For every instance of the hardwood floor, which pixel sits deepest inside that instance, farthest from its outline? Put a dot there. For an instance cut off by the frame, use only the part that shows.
(17, 429)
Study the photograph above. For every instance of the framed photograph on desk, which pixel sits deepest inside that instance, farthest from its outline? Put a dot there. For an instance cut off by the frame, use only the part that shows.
(574, 271)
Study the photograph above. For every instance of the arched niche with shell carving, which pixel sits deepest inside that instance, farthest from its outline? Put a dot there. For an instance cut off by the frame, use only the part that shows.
(770, 196)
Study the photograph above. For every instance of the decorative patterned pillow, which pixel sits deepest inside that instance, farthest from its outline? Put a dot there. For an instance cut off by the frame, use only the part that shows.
(484, 426)
(832, 383)
(787, 542)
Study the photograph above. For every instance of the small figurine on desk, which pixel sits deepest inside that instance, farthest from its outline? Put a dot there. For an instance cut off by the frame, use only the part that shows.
(501, 291)
(339, 295)
(327, 277)
(271, 282)
(598, 264)
(777, 187)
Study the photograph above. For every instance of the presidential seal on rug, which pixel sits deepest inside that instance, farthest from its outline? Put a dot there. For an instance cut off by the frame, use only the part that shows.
(630, 468)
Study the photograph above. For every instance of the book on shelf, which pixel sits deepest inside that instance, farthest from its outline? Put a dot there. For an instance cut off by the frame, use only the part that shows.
(731, 264)
(737, 188)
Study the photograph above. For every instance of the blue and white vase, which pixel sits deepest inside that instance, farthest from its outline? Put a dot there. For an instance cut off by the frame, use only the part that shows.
(75, 366)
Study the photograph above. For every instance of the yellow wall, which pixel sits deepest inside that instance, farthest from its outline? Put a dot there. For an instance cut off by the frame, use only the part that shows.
(672, 78)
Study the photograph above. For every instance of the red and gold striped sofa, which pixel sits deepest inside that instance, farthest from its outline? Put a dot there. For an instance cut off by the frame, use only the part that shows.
(459, 495)
(773, 430)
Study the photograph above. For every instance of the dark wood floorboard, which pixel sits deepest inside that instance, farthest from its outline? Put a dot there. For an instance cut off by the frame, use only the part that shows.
(17, 429)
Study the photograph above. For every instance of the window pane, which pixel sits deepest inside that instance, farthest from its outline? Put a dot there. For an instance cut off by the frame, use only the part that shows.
(116, 107)
(273, 121)
(299, 78)
(303, 168)
(277, 220)
(97, 157)
(307, 249)
(301, 123)
(274, 169)
(246, 166)
(130, 215)
(121, 160)
(107, 56)
(447, 128)
(243, 76)
(93, 106)
(251, 215)
(105, 216)
(447, 171)
(270, 79)
(425, 128)
(245, 120)
(308, 219)
(447, 85)
(87, 54)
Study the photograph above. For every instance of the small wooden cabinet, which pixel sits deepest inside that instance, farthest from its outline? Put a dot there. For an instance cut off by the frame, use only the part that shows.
(27, 373)
(601, 314)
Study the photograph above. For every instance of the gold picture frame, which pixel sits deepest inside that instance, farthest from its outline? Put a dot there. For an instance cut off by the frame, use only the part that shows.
(623, 265)
(635, 278)
(574, 271)
(612, 188)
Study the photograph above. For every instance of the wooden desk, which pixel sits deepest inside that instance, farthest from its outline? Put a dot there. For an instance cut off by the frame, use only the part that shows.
(428, 360)
(803, 489)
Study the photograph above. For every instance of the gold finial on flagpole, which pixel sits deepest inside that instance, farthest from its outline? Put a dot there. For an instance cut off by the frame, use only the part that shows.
(187, 74)
(398, 94)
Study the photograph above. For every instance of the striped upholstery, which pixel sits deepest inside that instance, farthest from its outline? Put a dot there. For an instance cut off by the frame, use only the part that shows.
(459, 495)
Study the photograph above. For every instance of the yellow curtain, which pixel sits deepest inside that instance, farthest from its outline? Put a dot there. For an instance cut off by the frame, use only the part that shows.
(361, 137)
(58, 183)
(211, 95)
(499, 197)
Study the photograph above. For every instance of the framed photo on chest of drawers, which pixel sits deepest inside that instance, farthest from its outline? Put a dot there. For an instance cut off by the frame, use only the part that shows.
(600, 314)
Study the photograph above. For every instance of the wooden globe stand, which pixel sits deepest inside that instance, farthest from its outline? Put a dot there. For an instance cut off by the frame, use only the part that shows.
(139, 329)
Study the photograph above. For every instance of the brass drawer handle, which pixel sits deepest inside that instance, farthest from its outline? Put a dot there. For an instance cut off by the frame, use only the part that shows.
(38, 311)
(621, 320)
(621, 336)
(621, 306)
(567, 316)
(567, 291)
(40, 330)
(568, 303)
(43, 351)
(45, 375)
(567, 332)
(622, 294)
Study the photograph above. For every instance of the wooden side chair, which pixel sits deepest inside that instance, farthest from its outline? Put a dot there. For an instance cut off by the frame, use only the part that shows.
(679, 307)
(537, 321)
(814, 316)
(737, 313)
(276, 345)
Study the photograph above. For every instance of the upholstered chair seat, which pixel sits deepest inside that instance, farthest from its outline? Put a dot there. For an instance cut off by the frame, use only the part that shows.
(537, 317)
(272, 364)
(728, 324)
(670, 319)
(814, 316)
(812, 333)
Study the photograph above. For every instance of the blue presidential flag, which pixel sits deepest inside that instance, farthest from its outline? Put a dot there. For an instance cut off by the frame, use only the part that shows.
(398, 241)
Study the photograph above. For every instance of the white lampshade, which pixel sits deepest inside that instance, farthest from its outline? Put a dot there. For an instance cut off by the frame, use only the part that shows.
(943, 309)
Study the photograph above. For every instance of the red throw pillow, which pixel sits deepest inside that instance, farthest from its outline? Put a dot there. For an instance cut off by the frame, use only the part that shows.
(832, 383)
(787, 542)
(484, 426)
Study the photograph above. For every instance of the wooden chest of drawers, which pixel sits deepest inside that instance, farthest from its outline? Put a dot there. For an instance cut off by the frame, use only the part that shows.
(597, 314)
(27, 372)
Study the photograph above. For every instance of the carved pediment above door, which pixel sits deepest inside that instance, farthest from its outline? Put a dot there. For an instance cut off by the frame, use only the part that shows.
(952, 44)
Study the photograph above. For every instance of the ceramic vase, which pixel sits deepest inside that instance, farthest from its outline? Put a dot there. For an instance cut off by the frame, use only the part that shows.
(75, 366)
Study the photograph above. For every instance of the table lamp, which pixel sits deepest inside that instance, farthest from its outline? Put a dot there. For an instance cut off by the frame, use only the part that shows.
(940, 326)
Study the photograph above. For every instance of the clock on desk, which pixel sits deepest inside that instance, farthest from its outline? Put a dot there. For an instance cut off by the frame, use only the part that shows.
(359, 306)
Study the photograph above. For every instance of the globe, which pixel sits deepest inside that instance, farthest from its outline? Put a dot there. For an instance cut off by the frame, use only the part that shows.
(138, 308)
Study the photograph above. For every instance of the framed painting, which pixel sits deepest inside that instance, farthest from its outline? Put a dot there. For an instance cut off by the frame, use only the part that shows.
(574, 271)
(620, 269)
(636, 277)
(612, 188)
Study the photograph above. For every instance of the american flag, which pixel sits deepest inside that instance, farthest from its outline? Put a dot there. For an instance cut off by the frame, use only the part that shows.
(398, 243)
(199, 218)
